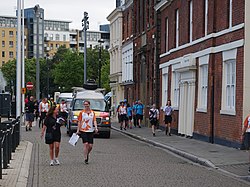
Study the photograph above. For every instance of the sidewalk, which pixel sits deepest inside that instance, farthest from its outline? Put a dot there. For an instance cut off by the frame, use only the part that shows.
(226, 159)
(18, 171)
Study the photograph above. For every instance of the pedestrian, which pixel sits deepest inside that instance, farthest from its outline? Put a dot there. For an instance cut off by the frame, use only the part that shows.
(36, 109)
(43, 109)
(51, 102)
(129, 117)
(123, 115)
(134, 113)
(139, 113)
(153, 117)
(30, 111)
(246, 135)
(118, 114)
(126, 121)
(87, 125)
(52, 126)
(168, 110)
(63, 110)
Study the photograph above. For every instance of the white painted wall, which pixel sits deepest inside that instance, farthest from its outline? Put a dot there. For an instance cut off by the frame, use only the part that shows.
(246, 84)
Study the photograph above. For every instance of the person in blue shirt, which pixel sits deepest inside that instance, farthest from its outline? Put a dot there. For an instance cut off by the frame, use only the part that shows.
(139, 112)
(134, 113)
(129, 113)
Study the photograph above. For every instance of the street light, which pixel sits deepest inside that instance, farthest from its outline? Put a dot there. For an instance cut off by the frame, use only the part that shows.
(100, 41)
(85, 25)
(48, 69)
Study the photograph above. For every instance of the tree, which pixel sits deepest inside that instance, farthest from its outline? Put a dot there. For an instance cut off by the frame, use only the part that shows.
(69, 72)
(9, 72)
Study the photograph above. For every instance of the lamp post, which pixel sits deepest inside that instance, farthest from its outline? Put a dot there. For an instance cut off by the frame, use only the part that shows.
(18, 62)
(48, 69)
(85, 25)
(100, 62)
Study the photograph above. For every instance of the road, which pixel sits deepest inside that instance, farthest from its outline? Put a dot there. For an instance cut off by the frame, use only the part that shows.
(119, 161)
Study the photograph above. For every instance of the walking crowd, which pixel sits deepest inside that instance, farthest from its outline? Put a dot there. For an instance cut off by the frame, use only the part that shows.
(126, 114)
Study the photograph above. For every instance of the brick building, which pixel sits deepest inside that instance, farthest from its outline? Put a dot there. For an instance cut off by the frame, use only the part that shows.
(127, 51)
(203, 67)
(145, 69)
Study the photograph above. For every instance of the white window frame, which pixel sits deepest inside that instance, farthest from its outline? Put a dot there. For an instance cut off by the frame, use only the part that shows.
(191, 21)
(203, 84)
(206, 16)
(166, 39)
(175, 88)
(164, 86)
(177, 28)
(229, 82)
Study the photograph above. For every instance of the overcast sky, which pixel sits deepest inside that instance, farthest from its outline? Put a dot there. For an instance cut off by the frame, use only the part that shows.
(69, 10)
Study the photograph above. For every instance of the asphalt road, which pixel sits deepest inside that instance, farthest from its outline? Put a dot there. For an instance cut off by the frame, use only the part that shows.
(118, 161)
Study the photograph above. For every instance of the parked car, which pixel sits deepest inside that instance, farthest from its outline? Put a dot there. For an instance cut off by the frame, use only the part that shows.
(97, 104)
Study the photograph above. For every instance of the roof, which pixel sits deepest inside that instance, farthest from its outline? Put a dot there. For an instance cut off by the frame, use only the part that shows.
(89, 94)
(66, 95)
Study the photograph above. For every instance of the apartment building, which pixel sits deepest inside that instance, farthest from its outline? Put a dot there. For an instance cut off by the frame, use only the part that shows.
(8, 39)
(56, 34)
(203, 67)
(93, 39)
(145, 71)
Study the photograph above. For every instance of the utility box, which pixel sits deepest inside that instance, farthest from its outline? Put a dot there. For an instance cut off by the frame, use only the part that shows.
(5, 104)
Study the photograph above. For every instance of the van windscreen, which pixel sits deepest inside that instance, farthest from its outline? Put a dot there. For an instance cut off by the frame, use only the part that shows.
(95, 104)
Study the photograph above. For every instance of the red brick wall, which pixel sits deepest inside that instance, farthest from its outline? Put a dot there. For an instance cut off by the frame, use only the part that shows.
(225, 126)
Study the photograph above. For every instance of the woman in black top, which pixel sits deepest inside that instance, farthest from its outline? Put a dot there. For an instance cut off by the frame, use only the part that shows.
(53, 134)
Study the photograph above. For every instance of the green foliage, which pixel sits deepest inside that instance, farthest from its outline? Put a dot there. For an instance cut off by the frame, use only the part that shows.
(69, 71)
(65, 70)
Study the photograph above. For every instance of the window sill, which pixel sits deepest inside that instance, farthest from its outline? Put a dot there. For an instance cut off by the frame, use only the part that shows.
(228, 112)
(202, 110)
(176, 108)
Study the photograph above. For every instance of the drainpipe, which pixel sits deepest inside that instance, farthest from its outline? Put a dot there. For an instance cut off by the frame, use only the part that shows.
(213, 77)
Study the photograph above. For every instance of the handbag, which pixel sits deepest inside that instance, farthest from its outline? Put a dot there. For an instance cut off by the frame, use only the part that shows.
(48, 136)
(73, 139)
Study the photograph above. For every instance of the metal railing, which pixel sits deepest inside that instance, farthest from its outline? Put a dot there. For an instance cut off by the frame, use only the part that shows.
(9, 140)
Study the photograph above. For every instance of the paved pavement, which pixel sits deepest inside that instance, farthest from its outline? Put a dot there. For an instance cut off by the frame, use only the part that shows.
(229, 160)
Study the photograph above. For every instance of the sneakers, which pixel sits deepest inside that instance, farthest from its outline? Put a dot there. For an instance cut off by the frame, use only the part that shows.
(56, 162)
(51, 163)
(249, 170)
(153, 134)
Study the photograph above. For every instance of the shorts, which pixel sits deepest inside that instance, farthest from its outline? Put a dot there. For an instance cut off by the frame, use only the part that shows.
(56, 138)
(30, 117)
(130, 118)
(154, 121)
(87, 137)
(139, 116)
(168, 119)
(43, 115)
(119, 118)
(123, 117)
